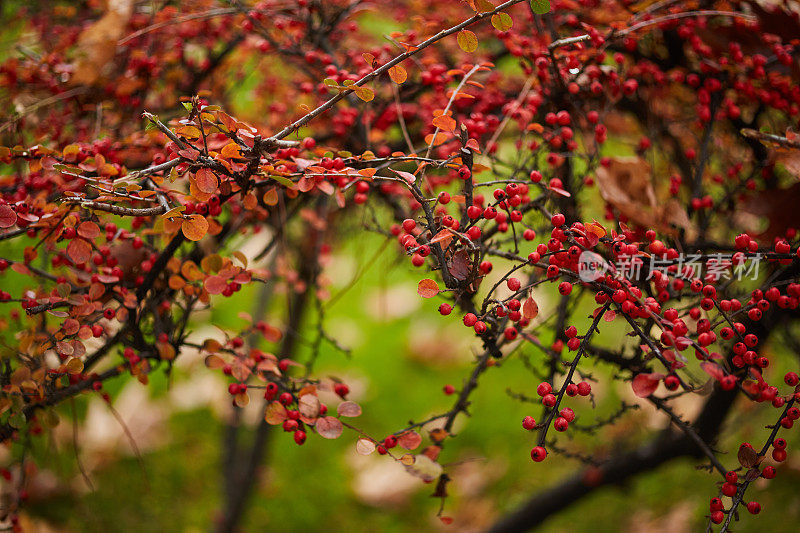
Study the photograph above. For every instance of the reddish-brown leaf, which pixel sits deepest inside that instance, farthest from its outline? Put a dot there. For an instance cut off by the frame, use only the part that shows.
(88, 230)
(206, 181)
(214, 361)
(79, 251)
(329, 427)
(309, 406)
(349, 409)
(215, 284)
(409, 440)
(408, 176)
(748, 457)
(8, 217)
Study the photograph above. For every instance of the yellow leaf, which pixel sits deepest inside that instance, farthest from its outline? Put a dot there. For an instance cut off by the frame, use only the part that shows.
(483, 6)
(365, 93)
(467, 41)
(502, 21)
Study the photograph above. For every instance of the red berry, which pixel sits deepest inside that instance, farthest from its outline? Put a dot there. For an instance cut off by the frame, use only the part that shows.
(528, 423)
(753, 507)
(286, 398)
(538, 454)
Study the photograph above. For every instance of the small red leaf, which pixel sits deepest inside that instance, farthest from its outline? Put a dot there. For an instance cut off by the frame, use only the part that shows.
(215, 284)
(530, 309)
(408, 176)
(645, 384)
(713, 370)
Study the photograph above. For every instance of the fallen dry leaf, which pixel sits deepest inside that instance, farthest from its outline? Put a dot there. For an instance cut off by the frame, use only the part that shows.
(627, 185)
(97, 44)
(779, 206)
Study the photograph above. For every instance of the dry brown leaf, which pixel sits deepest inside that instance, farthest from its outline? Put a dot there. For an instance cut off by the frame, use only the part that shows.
(97, 44)
(627, 185)
(779, 206)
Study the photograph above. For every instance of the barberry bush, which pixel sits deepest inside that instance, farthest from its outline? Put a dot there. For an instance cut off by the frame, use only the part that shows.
(603, 190)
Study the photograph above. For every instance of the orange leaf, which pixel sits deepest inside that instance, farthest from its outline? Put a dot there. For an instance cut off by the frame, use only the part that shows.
(195, 227)
(427, 288)
(445, 122)
(231, 151)
(398, 74)
(275, 413)
(438, 139)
